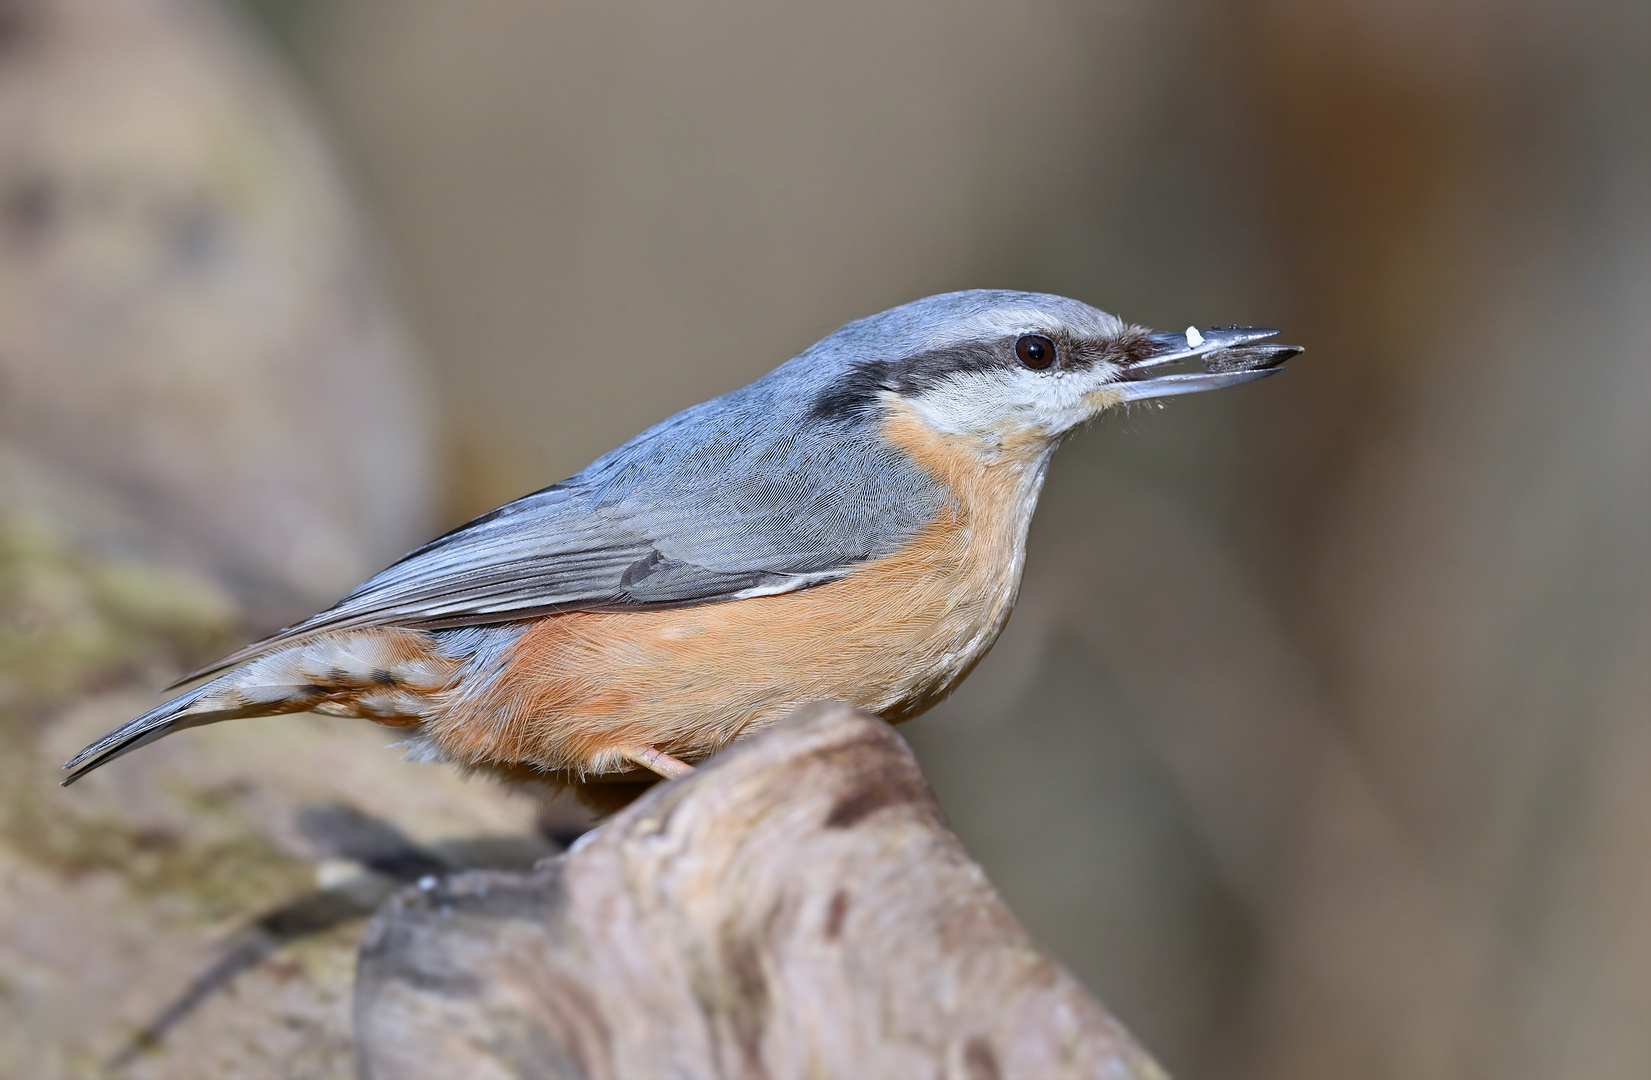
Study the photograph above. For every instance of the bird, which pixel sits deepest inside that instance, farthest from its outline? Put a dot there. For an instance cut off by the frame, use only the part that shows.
(850, 526)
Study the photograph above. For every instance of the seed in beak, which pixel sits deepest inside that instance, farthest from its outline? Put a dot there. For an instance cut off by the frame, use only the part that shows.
(1249, 357)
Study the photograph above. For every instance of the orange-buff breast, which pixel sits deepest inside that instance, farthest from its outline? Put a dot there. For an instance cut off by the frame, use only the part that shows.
(578, 690)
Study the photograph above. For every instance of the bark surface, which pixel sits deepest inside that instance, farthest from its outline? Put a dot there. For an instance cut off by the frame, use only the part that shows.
(796, 908)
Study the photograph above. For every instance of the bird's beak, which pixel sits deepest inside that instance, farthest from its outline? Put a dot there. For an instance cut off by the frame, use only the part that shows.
(1203, 360)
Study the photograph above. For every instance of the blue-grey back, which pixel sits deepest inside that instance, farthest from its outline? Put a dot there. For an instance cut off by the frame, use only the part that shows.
(758, 491)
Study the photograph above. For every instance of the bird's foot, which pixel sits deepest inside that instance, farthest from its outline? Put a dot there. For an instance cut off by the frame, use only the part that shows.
(659, 762)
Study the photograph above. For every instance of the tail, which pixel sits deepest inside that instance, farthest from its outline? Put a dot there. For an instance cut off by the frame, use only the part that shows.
(203, 705)
(388, 674)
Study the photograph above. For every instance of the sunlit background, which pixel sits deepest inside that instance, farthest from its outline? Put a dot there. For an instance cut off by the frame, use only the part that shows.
(1319, 746)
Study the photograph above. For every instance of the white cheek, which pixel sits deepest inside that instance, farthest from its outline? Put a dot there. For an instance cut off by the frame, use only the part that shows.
(1010, 400)
(1058, 402)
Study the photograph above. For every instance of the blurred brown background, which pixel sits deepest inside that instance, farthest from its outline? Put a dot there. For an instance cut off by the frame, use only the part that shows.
(1320, 744)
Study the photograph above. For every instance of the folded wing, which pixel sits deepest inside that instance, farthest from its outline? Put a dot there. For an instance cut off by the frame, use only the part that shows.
(720, 502)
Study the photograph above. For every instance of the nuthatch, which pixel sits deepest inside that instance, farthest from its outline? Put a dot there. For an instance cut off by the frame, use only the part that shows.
(850, 526)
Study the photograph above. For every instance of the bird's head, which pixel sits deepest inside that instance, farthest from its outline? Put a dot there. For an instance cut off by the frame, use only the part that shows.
(1012, 369)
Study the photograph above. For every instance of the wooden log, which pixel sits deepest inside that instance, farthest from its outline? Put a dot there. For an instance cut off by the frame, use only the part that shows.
(795, 908)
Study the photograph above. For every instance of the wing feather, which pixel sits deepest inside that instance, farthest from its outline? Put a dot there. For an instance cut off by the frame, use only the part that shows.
(731, 498)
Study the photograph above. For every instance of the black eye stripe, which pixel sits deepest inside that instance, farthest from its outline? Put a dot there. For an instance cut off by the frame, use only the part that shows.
(1035, 351)
(851, 396)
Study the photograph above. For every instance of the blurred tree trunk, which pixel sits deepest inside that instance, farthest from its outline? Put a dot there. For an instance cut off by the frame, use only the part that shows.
(190, 318)
(209, 421)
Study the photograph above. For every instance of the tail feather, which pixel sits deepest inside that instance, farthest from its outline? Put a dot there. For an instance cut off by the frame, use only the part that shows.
(198, 707)
(391, 675)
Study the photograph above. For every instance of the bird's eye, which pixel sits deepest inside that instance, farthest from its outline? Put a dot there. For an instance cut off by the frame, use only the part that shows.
(1035, 351)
